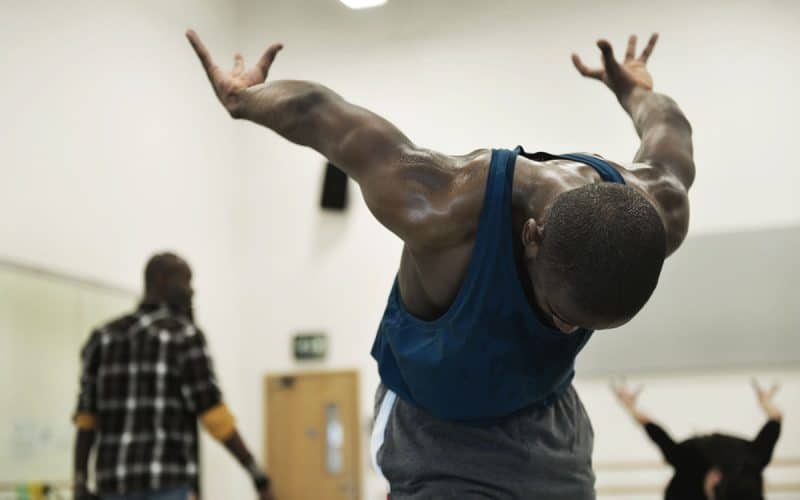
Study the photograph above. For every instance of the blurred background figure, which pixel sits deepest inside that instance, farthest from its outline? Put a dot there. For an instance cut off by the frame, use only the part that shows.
(145, 380)
(716, 466)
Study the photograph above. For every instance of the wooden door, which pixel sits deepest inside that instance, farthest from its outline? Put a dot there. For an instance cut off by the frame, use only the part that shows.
(312, 432)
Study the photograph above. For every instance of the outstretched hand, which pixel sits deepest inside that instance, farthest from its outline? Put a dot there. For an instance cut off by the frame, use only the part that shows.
(621, 78)
(765, 399)
(228, 84)
(626, 396)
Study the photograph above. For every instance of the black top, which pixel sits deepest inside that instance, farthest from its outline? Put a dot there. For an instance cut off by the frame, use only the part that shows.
(693, 458)
(146, 377)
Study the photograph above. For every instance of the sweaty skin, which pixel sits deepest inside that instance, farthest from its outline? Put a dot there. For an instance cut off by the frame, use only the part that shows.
(433, 201)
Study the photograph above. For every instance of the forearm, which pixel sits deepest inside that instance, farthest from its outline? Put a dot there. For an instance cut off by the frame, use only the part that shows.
(665, 132)
(309, 114)
(298, 111)
(664, 441)
(238, 449)
(285, 106)
(640, 417)
(84, 440)
(772, 412)
(764, 443)
(235, 445)
(219, 422)
(649, 109)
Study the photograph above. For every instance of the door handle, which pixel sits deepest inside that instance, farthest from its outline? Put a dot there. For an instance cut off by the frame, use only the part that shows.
(349, 489)
(334, 439)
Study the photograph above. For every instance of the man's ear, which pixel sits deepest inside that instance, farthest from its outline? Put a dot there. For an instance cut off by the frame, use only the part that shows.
(532, 237)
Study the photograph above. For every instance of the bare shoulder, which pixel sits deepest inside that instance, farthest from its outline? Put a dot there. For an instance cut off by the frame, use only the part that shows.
(449, 198)
(452, 164)
(668, 194)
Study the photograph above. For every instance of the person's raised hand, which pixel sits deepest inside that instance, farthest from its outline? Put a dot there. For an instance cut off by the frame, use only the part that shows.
(228, 84)
(765, 397)
(626, 396)
(623, 77)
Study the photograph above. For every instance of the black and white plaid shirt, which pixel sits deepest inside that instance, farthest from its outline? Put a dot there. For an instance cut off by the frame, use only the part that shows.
(146, 377)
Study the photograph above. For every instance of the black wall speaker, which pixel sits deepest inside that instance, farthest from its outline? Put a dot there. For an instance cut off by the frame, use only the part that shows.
(334, 189)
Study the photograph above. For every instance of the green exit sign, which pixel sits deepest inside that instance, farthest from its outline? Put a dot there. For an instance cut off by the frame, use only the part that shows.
(310, 346)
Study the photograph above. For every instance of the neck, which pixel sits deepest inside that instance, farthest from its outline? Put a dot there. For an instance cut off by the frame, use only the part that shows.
(538, 184)
(532, 193)
(153, 298)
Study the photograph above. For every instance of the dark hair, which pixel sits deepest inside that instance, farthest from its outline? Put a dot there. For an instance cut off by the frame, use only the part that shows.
(160, 266)
(608, 243)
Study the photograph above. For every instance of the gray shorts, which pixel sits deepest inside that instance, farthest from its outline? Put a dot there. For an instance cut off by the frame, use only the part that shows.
(539, 454)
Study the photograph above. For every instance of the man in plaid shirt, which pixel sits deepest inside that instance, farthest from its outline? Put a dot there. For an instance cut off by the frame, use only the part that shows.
(145, 380)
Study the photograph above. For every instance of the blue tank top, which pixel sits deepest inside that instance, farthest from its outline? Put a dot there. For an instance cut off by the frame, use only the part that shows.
(490, 354)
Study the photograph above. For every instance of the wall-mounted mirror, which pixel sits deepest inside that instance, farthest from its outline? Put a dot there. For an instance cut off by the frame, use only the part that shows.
(44, 320)
(725, 301)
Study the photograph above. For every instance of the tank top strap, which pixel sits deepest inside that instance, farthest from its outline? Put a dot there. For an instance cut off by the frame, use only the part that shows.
(495, 223)
(492, 247)
(501, 187)
(607, 172)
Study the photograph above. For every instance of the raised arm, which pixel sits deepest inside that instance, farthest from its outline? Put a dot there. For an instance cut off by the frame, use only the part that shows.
(628, 399)
(765, 401)
(663, 165)
(764, 443)
(405, 187)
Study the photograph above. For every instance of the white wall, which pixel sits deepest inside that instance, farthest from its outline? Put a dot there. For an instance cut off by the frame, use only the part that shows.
(460, 75)
(108, 155)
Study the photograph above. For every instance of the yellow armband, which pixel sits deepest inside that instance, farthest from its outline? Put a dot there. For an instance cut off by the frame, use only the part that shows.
(219, 422)
(85, 421)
